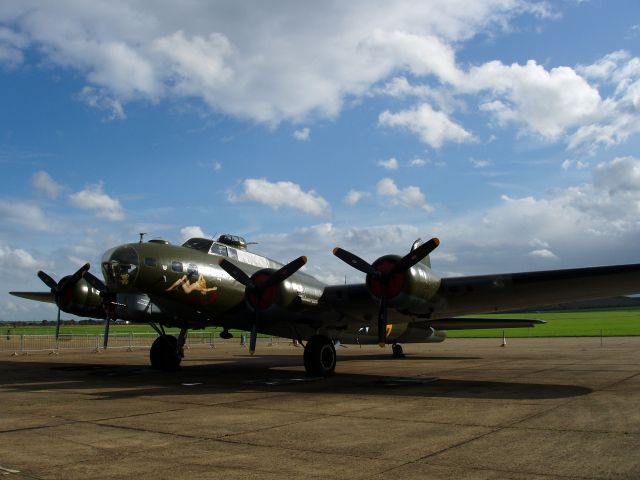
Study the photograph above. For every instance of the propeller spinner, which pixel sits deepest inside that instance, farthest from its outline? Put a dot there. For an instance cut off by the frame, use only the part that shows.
(385, 277)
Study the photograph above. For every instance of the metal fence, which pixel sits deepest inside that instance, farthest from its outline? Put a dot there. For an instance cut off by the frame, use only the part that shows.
(26, 344)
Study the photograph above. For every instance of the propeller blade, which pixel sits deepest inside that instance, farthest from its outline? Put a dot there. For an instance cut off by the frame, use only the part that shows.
(415, 256)
(235, 272)
(49, 282)
(106, 331)
(382, 322)
(253, 338)
(58, 325)
(95, 282)
(353, 260)
(73, 279)
(285, 272)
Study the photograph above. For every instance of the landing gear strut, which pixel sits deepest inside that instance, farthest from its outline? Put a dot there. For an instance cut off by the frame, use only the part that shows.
(320, 356)
(164, 353)
(182, 339)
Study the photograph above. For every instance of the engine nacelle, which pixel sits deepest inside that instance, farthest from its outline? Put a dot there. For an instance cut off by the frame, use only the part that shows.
(81, 299)
(408, 290)
(137, 307)
(283, 294)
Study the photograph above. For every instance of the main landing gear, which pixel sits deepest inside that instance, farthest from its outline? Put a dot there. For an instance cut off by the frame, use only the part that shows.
(320, 356)
(167, 351)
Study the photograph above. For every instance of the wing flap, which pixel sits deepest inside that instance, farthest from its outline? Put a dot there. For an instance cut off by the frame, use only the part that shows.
(469, 323)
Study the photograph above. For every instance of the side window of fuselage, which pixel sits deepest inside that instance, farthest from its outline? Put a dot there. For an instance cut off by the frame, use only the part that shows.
(176, 266)
(217, 249)
(150, 262)
(232, 253)
(192, 270)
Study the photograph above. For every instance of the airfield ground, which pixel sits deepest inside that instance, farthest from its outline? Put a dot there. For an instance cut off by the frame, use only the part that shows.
(537, 409)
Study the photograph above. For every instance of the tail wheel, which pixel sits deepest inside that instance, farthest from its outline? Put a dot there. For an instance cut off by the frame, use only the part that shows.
(320, 356)
(164, 353)
(397, 351)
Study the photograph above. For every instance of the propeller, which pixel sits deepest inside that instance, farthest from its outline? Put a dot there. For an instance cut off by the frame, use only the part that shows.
(108, 298)
(384, 276)
(260, 293)
(62, 288)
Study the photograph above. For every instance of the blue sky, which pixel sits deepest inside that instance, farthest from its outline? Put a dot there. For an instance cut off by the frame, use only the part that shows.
(508, 128)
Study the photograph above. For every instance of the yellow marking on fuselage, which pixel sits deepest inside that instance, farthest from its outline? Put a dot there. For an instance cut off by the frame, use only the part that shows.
(389, 329)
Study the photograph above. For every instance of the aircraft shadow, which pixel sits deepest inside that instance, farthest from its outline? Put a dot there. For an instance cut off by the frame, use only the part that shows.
(237, 375)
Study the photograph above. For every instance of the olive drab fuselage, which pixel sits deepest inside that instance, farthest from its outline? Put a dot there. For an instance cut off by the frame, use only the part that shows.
(186, 287)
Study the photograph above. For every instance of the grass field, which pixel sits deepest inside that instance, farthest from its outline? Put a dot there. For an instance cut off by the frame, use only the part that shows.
(578, 323)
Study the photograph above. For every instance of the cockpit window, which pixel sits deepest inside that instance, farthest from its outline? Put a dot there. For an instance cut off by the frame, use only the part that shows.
(201, 244)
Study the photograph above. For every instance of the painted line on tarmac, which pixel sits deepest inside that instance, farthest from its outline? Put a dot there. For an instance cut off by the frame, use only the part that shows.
(7, 471)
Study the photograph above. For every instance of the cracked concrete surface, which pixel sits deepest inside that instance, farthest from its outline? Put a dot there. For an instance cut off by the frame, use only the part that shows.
(538, 409)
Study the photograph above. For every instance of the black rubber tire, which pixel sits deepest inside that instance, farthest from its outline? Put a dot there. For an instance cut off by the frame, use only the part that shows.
(320, 356)
(397, 351)
(164, 353)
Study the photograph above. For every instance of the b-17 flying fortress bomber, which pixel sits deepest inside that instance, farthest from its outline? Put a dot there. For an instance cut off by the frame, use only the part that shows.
(219, 283)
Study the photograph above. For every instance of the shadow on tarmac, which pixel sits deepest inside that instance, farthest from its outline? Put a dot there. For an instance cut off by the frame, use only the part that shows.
(273, 374)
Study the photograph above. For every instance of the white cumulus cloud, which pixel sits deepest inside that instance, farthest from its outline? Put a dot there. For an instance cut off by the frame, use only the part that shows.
(543, 253)
(46, 185)
(390, 164)
(432, 127)
(354, 196)
(302, 135)
(408, 197)
(547, 102)
(93, 197)
(254, 61)
(190, 232)
(281, 194)
(24, 214)
(11, 258)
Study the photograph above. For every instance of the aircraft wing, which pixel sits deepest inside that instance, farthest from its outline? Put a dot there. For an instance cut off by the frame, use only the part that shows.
(511, 291)
(37, 296)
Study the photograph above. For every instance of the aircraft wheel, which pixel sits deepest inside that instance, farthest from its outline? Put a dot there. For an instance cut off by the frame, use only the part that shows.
(397, 351)
(320, 356)
(164, 353)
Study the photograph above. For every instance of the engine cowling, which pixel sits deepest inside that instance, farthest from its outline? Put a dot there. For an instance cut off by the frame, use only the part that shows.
(81, 299)
(410, 289)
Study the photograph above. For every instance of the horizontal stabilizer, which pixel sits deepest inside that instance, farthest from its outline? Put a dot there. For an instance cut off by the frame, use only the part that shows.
(37, 296)
(470, 323)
